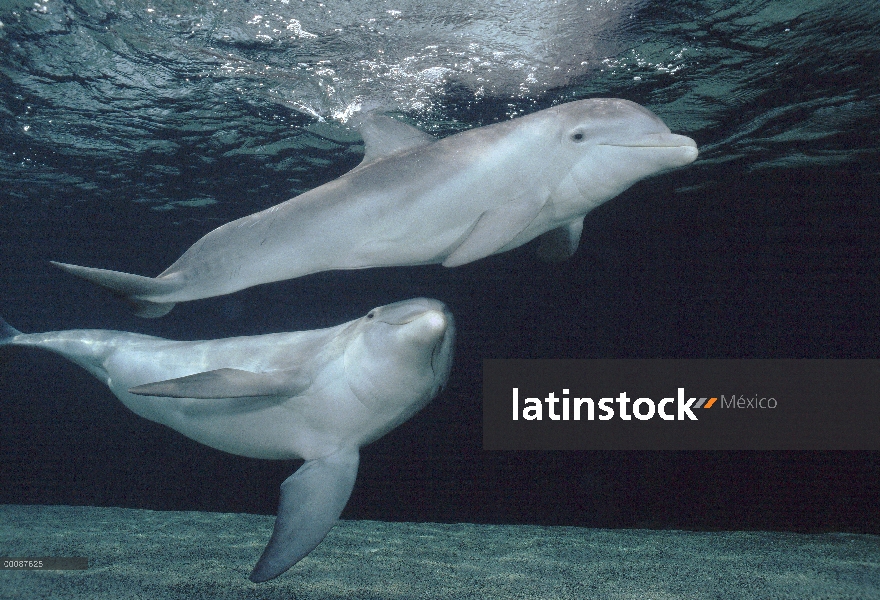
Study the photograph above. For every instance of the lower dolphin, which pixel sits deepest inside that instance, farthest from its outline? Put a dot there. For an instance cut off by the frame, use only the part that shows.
(318, 395)
(416, 200)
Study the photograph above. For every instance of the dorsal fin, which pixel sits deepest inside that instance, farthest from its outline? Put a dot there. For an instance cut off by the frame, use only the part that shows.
(383, 136)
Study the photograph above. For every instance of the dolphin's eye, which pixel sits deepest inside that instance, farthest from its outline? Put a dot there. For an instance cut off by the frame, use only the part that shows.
(371, 314)
(578, 136)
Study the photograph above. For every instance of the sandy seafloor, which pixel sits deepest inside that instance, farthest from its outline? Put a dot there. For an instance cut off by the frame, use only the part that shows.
(156, 555)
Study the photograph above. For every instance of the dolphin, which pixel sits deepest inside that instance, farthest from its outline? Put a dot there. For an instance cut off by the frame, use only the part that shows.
(416, 200)
(317, 395)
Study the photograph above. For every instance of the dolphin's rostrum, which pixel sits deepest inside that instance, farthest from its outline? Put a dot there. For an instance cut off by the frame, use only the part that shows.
(417, 200)
(318, 395)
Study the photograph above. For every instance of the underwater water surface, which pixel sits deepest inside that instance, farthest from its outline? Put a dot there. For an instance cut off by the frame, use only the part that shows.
(130, 129)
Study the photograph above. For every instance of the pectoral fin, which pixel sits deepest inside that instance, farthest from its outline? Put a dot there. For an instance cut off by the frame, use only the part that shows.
(561, 243)
(493, 230)
(228, 383)
(311, 501)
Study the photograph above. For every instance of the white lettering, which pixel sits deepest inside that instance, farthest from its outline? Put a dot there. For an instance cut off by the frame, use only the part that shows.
(623, 401)
(533, 413)
(603, 406)
(516, 404)
(551, 401)
(684, 408)
(661, 409)
(590, 408)
(637, 413)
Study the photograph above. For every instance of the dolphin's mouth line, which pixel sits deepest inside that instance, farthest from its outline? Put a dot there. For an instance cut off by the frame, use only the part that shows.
(402, 321)
(348, 381)
(435, 353)
(405, 320)
(649, 145)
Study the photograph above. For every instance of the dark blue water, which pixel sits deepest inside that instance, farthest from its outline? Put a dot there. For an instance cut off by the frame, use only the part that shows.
(130, 129)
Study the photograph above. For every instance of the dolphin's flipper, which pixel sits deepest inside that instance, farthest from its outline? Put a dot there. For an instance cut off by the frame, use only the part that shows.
(228, 383)
(493, 230)
(128, 287)
(561, 243)
(311, 501)
(384, 136)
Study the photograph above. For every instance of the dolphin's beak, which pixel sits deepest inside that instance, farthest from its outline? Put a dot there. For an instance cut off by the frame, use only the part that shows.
(425, 326)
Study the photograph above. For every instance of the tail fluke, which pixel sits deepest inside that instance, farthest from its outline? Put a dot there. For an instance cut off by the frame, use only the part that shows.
(131, 288)
(7, 332)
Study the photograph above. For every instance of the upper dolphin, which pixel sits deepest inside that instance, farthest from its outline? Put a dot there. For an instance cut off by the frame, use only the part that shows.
(318, 395)
(416, 200)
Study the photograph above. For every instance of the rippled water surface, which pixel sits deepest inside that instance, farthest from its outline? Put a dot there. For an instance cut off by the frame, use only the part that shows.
(148, 98)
